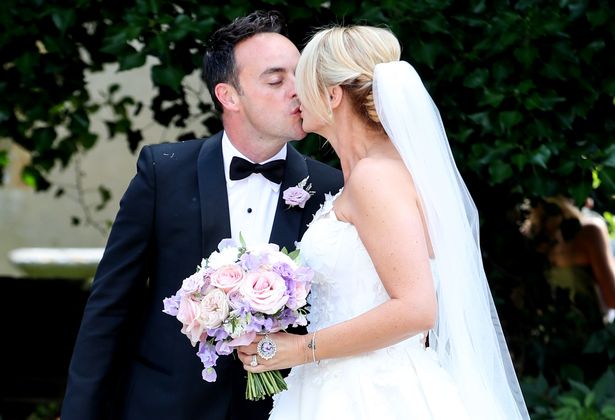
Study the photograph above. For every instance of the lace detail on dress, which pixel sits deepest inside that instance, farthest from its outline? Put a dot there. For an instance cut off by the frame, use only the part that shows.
(326, 206)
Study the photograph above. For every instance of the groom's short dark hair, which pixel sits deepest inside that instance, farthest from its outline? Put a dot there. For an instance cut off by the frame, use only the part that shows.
(219, 59)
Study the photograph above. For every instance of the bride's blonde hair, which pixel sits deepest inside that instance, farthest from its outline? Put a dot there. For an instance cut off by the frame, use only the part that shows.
(344, 56)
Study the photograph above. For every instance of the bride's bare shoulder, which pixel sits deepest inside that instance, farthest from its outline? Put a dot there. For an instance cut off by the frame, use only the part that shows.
(376, 179)
(378, 171)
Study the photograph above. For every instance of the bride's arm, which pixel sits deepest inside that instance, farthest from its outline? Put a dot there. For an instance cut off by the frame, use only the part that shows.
(381, 202)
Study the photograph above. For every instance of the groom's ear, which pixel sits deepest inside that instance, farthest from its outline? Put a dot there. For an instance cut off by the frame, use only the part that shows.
(336, 93)
(228, 96)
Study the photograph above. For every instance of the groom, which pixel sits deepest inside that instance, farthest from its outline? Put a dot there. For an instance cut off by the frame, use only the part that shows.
(130, 360)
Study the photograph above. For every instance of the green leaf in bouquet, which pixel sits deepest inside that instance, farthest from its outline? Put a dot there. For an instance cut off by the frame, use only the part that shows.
(294, 255)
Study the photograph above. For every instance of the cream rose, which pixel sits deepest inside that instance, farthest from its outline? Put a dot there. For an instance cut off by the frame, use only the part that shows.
(265, 291)
(227, 278)
(214, 308)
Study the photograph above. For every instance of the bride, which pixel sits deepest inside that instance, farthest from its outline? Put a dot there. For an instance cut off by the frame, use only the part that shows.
(402, 323)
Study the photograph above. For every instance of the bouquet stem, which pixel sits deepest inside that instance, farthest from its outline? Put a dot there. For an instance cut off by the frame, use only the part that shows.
(265, 384)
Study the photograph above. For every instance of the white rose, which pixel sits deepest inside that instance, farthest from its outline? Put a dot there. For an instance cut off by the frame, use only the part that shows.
(226, 256)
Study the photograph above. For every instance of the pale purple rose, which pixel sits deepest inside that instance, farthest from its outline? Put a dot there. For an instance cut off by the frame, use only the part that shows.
(237, 301)
(265, 291)
(193, 283)
(228, 278)
(296, 196)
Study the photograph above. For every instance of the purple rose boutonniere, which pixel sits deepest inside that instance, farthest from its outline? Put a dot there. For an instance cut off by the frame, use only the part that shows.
(298, 195)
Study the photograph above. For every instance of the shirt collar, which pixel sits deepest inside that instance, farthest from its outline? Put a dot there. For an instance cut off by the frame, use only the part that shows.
(229, 151)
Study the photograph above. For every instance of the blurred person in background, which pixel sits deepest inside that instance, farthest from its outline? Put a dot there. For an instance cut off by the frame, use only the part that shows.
(578, 249)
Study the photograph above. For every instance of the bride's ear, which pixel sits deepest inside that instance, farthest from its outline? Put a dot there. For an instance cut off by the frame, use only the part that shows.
(336, 94)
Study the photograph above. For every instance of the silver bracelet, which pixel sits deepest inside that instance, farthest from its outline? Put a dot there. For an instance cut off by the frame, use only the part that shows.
(312, 345)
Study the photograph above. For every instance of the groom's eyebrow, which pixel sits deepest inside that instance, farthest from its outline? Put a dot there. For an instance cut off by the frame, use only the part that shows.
(274, 70)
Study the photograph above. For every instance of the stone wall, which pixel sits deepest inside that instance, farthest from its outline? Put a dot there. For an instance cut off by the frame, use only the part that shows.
(30, 219)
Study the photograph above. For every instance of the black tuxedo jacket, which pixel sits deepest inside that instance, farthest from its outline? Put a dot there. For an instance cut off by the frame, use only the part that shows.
(130, 359)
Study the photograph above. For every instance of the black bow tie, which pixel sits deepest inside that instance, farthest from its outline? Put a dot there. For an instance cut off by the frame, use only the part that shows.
(241, 168)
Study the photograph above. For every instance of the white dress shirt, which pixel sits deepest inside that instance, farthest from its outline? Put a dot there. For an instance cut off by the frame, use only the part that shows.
(252, 201)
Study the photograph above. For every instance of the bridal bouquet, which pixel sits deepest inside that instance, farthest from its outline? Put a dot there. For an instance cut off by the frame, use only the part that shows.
(235, 294)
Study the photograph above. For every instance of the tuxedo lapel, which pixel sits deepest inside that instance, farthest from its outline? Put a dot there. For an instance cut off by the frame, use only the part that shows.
(287, 221)
(215, 219)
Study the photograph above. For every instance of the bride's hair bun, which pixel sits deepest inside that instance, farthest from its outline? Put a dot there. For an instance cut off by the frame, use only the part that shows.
(346, 57)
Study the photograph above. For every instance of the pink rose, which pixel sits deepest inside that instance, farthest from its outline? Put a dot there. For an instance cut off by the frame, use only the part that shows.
(227, 278)
(188, 314)
(301, 292)
(214, 308)
(264, 291)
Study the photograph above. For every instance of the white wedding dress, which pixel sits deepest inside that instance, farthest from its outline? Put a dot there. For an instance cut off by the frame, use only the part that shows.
(403, 381)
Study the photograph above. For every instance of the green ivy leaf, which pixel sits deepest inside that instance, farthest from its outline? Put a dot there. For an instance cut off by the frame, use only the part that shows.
(493, 99)
(343, 7)
(482, 119)
(131, 61)
(476, 79)
(43, 138)
(541, 156)
(570, 401)
(500, 172)
(508, 119)
(610, 156)
(105, 196)
(526, 55)
(427, 53)
(597, 17)
(63, 19)
(580, 191)
(520, 160)
(168, 76)
(436, 24)
(88, 140)
(566, 168)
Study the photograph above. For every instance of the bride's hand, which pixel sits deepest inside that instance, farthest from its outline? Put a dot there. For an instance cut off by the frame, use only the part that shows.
(291, 350)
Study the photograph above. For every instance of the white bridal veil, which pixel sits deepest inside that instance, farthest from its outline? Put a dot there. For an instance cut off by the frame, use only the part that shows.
(468, 337)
